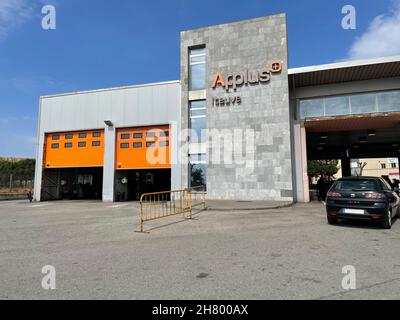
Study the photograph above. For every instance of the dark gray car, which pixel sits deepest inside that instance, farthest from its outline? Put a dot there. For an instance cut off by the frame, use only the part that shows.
(362, 198)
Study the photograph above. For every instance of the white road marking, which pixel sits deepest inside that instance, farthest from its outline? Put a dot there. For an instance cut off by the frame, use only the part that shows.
(119, 205)
(38, 205)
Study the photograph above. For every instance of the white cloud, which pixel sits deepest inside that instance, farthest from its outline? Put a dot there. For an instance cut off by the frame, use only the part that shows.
(13, 13)
(15, 119)
(382, 38)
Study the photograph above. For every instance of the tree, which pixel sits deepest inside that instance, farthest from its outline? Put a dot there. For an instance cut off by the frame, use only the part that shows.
(197, 178)
(17, 166)
(323, 167)
(360, 169)
(22, 171)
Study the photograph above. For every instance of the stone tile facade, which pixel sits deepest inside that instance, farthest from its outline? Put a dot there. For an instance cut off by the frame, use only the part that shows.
(264, 109)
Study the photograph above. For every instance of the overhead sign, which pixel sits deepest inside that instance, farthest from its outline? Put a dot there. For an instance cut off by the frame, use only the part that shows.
(234, 80)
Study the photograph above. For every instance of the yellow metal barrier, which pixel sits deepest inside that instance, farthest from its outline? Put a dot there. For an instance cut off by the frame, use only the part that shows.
(158, 205)
(198, 197)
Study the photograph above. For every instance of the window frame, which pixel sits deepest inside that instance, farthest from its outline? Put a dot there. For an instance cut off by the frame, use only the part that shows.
(124, 145)
(198, 162)
(197, 55)
(197, 108)
(164, 134)
(203, 62)
(378, 107)
(164, 144)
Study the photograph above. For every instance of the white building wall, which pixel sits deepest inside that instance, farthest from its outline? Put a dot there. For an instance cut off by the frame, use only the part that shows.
(145, 105)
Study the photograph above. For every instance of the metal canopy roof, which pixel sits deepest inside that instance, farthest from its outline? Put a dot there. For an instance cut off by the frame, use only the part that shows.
(345, 71)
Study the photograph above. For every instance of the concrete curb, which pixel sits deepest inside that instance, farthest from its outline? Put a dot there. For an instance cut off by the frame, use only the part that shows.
(13, 196)
(250, 209)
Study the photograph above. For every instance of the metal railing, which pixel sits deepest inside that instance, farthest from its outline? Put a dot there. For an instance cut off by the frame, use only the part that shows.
(198, 196)
(157, 205)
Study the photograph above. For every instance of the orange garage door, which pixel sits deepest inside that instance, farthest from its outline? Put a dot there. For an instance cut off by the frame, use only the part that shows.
(143, 148)
(74, 149)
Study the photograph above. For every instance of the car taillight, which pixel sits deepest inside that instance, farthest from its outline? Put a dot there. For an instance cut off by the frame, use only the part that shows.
(375, 196)
(334, 194)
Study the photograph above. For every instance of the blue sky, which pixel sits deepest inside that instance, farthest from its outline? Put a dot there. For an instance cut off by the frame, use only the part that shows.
(104, 43)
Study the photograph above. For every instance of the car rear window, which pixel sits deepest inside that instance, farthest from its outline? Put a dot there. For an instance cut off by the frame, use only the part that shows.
(369, 185)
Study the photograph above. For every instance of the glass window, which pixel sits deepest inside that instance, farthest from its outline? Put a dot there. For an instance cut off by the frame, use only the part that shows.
(363, 103)
(198, 105)
(55, 137)
(137, 145)
(311, 108)
(96, 134)
(164, 134)
(82, 144)
(150, 144)
(198, 170)
(198, 130)
(96, 143)
(69, 136)
(151, 134)
(125, 136)
(197, 71)
(350, 104)
(337, 105)
(394, 165)
(389, 101)
(197, 113)
(82, 135)
(198, 175)
(68, 145)
(197, 52)
(55, 146)
(138, 135)
(164, 143)
(198, 122)
(124, 145)
(85, 179)
(383, 165)
(365, 185)
(198, 158)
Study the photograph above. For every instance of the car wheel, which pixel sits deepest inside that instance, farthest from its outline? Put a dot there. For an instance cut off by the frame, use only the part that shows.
(332, 220)
(388, 221)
